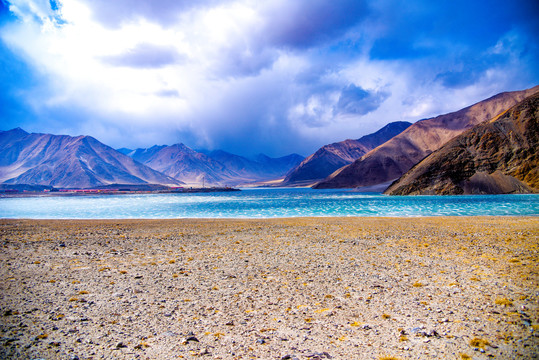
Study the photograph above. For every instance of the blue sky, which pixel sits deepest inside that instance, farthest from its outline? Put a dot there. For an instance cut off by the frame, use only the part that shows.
(252, 76)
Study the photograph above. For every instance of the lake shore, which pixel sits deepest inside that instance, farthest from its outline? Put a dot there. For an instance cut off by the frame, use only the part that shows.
(302, 288)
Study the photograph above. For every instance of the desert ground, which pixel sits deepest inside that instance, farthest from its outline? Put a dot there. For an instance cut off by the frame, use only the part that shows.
(306, 288)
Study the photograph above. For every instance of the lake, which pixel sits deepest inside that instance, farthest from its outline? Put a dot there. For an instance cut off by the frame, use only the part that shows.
(264, 203)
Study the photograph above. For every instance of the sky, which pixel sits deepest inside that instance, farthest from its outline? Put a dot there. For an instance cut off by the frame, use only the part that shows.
(254, 76)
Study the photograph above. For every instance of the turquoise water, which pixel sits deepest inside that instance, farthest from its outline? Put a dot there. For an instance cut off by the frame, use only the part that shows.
(264, 203)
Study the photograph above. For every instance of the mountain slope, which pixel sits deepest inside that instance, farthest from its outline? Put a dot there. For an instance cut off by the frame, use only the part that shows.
(334, 156)
(215, 168)
(66, 161)
(183, 163)
(392, 159)
(499, 156)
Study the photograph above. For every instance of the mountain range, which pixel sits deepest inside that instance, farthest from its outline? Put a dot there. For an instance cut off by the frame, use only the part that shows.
(395, 157)
(331, 157)
(495, 157)
(84, 162)
(488, 147)
(215, 168)
(71, 162)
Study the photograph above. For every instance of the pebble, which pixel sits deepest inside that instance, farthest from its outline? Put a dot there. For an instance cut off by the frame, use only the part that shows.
(186, 340)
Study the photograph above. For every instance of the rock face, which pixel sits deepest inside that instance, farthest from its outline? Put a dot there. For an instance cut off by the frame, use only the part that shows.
(495, 157)
(395, 157)
(334, 156)
(70, 162)
(216, 168)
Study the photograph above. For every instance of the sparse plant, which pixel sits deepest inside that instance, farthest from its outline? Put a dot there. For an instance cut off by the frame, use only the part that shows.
(503, 302)
(479, 343)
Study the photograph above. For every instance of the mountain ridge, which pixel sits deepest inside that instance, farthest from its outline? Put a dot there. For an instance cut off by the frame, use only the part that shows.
(215, 168)
(395, 157)
(67, 161)
(495, 157)
(331, 157)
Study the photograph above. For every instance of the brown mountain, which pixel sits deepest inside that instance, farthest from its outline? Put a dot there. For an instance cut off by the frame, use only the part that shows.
(395, 157)
(334, 156)
(70, 162)
(496, 157)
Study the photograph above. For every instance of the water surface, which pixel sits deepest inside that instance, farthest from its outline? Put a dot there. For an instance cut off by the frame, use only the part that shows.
(264, 203)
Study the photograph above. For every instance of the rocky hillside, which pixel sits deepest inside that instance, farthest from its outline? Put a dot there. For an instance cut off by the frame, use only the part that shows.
(69, 162)
(499, 156)
(334, 156)
(395, 157)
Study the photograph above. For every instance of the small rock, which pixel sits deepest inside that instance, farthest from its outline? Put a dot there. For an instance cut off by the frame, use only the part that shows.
(230, 323)
(289, 357)
(120, 345)
(366, 327)
(260, 341)
(203, 352)
(186, 340)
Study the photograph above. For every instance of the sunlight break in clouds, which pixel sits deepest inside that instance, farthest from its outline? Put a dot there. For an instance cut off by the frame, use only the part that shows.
(249, 76)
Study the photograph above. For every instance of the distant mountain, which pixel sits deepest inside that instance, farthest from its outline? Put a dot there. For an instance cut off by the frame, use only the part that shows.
(261, 167)
(395, 157)
(185, 164)
(215, 168)
(334, 156)
(495, 157)
(70, 162)
(124, 151)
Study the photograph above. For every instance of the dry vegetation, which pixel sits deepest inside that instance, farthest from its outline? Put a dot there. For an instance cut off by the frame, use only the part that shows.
(359, 288)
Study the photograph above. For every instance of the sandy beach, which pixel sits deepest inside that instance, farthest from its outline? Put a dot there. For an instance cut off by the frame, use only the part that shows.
(307, 288)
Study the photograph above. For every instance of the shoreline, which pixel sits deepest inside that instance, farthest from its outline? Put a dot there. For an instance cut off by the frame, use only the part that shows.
(349, 287)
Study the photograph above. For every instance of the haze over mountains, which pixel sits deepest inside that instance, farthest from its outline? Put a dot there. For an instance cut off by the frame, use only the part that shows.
(215, 168)
(392, 159)
(495, 157)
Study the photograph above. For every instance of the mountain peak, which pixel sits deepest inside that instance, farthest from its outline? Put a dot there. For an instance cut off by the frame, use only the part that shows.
(331, 157)
(16, 130)
(398, 155)
(494, 157)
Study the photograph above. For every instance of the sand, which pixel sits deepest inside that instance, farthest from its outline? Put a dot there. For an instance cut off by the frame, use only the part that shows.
(309, 288)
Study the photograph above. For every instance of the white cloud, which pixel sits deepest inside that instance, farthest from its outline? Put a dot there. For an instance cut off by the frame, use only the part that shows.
(235, 73)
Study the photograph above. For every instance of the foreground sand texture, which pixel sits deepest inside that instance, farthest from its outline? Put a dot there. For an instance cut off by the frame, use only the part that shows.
(341, 288)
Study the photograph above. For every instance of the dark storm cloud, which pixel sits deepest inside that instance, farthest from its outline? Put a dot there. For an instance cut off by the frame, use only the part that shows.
(355, 100)
(145, 56)
(300, 24)
(460, 37)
